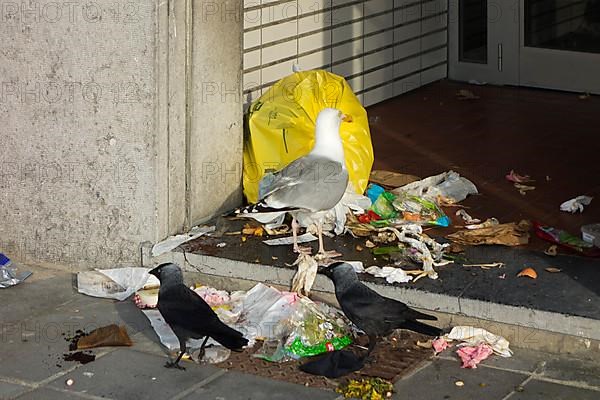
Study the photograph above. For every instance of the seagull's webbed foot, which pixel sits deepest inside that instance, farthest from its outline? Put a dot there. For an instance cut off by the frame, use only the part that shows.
(303, 250)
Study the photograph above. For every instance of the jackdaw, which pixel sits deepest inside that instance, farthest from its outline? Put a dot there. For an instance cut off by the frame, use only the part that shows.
(189, 315)
(369, 311)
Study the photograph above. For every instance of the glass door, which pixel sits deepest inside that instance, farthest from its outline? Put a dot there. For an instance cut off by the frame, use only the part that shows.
(560, 44)
(484, 41)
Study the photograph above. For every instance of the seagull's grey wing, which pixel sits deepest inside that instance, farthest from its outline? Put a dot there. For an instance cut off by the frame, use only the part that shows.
(312, 183)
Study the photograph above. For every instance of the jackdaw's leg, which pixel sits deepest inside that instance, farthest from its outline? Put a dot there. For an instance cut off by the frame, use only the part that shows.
(201, 354)
(175, 364)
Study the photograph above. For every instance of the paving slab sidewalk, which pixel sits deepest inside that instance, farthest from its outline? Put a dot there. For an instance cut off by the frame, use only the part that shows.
(36, 314)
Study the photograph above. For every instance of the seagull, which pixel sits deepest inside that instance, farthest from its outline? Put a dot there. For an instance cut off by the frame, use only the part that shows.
(312, 184)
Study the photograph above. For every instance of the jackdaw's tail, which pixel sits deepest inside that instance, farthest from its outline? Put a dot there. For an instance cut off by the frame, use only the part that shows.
(229, 337)
(420, 327)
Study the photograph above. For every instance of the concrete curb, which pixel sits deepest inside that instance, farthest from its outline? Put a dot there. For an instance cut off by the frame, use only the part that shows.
(523, 326)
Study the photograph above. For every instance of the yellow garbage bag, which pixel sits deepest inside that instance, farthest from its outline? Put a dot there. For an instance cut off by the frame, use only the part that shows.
(280, 127)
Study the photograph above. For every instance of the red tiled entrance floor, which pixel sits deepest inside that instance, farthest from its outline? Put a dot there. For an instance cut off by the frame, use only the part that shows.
(536, 132)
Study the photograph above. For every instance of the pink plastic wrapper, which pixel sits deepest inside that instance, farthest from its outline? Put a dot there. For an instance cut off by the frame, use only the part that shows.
(473, 355)
(439, 345)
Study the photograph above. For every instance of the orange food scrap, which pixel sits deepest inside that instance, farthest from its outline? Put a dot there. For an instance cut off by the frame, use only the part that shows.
(529, 272)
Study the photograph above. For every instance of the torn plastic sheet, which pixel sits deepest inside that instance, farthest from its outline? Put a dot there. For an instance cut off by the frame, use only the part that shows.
(391, 274)
(448, 185)
(576, 204)
(471, 336)
(118, 283)
(307, 237)
(214, 352)
(9, 275)
(173, 242)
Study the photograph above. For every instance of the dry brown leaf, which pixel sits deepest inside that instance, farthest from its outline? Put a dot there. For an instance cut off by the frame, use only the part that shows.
(553, 270)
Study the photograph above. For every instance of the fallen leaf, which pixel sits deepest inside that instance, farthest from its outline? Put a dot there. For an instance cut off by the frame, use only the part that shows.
(528, 272)
(425, 345)
(553, 270)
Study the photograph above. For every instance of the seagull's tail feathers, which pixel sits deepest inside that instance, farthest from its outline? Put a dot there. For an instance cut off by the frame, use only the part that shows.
(259, 207)
(420, 327)
(229, 337)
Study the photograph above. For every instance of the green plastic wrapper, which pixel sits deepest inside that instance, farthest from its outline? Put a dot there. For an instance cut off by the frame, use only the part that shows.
(299, 349)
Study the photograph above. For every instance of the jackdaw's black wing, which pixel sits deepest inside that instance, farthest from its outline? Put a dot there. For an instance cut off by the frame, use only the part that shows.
(379, 315)
(184, 310)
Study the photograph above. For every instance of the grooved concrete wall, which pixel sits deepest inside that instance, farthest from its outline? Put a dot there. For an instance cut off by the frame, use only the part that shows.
(98, 151)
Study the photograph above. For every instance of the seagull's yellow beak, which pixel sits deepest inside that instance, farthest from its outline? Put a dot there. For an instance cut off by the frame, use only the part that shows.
(347, 118)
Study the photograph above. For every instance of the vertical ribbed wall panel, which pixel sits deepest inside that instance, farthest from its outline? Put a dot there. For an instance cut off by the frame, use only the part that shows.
(382, 47)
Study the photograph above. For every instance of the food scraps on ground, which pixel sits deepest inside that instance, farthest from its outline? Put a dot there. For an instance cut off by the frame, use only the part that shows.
(512, 176)
(367, 389)
(486, 266)
(523, 189)
(553, 270)
(528, 272)
(551, 251)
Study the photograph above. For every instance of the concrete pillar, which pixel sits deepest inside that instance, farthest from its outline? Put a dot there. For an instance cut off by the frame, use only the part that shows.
(103, 128)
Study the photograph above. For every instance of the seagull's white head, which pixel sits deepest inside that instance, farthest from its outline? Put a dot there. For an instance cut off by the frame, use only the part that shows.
(328, 142)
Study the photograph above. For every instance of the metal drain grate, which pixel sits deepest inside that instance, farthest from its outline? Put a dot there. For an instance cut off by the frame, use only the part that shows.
(392, 359)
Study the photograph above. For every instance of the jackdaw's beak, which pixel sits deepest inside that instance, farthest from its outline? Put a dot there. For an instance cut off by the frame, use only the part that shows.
(155, 272)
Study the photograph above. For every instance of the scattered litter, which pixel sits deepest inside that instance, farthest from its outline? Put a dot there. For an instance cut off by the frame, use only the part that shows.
(486, 266)
(576, 204)
(523, 189)
(448, 185)
(307, 237)
(503, 276)
(111, 335)
(253, 230)
(359, 248)
(464, 94)
(467, 218)
(528, 272)
(459, 383)
(306, 274)
(9, 275)
(420, 210)
(69, 382)
(584, 96)
(548, 179)
(512, 176)
(88, 374)
(565, 239)
(511, 234)
(591, 234)
(367, 389)
(213, 297)
(440, 344)
(146, 298)
(391, 179)
(553, 270)
(473, 355)
(425, 345)
(486, 224)
(119, 283)
(221, 245)
(369, 244)
(471, 336)
(173, 242)
(551, 251)
(391, 274)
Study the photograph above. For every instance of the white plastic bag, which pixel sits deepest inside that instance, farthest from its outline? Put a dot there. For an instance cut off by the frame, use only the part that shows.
(119, 283)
